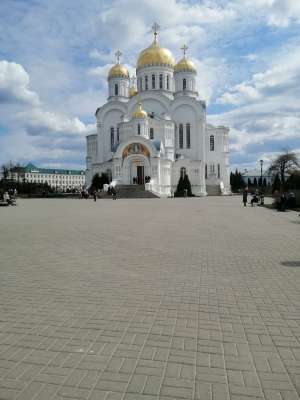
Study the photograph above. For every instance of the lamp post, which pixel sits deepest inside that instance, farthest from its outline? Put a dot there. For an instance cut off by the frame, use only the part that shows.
(261, 172)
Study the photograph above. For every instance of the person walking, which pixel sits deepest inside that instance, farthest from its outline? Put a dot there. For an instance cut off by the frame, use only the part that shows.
(245, 197)
(114, 193)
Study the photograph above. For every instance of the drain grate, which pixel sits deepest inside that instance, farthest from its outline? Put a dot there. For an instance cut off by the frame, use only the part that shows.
(291, 263)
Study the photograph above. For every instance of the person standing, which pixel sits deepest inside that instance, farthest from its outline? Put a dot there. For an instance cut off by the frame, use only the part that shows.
(245, 197)
(95, 195)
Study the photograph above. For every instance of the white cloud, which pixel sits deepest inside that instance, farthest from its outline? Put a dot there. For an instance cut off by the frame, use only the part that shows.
(62, 51)
(281, 79)
(14, 85)
(34, 133)
(41, 123)
(102, 56)
(278, 13)
(266, 109)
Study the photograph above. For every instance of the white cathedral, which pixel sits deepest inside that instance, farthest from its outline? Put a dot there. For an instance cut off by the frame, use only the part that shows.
(153, 129)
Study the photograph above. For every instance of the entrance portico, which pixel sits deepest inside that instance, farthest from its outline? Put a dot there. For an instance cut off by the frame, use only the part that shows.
(132, 161)
(137, 166)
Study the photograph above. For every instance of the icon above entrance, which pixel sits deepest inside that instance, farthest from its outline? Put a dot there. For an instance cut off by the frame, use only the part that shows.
(135, 148)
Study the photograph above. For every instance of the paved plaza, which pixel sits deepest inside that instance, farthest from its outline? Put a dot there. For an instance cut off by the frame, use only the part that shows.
(149, 299)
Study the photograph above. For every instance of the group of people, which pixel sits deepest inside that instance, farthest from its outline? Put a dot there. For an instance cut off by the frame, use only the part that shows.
(284, 200)
(84, 194)
(136, 180)
(256, 198)
(9, 197)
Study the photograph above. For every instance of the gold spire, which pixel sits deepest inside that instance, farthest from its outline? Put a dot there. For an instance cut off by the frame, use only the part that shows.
(139, 112)
(118, 70)
(132, 90)
(184, 48)
(155, 29)
(155, 54)
(185, 65)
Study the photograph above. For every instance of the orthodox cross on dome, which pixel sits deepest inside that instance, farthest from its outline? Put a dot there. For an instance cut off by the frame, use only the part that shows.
(155, 29)
(184, 48)
(133, 80)
(118, 55)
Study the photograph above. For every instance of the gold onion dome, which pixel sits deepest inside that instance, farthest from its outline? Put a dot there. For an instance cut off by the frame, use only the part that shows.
(155, 55)
(118, 71)
(139, 112)
(185, 65)
(132, 92)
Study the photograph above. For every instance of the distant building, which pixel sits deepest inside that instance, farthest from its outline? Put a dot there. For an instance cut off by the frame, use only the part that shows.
(249, 177)
(60, 179)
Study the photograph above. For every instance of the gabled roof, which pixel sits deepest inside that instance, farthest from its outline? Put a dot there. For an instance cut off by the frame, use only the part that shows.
(32, 168)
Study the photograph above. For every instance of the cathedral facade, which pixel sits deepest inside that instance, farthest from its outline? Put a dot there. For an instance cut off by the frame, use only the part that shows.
(152, 130)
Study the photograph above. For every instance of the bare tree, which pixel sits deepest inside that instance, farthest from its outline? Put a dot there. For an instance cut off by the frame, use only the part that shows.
(18, 171)
(5, 171)
(285, 164)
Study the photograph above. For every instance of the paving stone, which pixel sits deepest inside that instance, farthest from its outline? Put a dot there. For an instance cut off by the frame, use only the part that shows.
(147, 299)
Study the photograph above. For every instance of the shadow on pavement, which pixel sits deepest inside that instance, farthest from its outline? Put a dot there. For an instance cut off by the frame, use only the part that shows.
(291, 263)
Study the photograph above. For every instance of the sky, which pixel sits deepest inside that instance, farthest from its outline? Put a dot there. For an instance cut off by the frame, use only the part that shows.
(55, 55)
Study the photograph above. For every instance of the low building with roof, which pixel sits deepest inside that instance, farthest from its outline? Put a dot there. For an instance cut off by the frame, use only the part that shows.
(60, 179)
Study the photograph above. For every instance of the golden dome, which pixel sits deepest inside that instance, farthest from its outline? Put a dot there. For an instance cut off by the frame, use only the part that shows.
(139, 112)
(185, 65)
(155, 55)
(118, 71)
(132, 92)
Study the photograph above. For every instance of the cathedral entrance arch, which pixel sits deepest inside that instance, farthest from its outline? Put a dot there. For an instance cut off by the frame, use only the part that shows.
(137, 167)
(135, 160)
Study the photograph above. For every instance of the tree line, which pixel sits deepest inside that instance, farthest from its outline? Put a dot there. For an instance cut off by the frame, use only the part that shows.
(285, 169)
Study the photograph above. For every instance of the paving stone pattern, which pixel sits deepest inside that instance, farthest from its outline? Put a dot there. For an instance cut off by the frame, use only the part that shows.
(149, 299)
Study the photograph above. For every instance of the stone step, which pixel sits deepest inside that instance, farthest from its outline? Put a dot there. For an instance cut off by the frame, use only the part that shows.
(129, 192)
(213, 190)
(133, 192)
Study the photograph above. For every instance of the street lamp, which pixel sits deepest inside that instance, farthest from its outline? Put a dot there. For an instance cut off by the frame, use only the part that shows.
(261, 171)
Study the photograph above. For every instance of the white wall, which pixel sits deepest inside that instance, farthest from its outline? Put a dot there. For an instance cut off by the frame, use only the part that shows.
(123, 85)
(156, 71)
(184, 114)
(190, 78)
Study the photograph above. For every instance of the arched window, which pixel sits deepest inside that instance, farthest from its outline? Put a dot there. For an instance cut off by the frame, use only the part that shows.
(151, 133)
(139, 129)
(116, 89)
(112, 138)
(160, 81)
(153, 81)
(141, 84)
(188, 136)
(181, 136)
(182, 172)
(168, 82)
(146, 82)
(212, 143)
(184, 83)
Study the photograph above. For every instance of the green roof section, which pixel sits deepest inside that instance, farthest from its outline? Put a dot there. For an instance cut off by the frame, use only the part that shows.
(30, 168)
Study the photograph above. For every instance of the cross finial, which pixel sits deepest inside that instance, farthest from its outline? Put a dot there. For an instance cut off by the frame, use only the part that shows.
(118, 55)
(184, 48)
(155, 29)
(133, 80)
